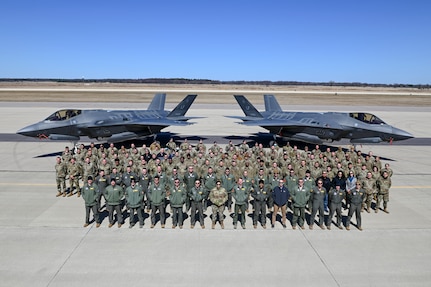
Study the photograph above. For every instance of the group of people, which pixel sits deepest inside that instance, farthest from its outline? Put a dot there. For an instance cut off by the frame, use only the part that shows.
(239, 178)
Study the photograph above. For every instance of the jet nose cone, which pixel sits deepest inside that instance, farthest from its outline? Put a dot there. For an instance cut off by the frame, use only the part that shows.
(399, 134)
(28, 131)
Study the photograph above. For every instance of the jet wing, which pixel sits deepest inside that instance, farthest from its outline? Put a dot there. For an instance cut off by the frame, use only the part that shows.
(137, 123)
(289, 124)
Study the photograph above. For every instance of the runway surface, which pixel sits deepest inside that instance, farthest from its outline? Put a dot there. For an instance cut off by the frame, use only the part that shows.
(44, 243)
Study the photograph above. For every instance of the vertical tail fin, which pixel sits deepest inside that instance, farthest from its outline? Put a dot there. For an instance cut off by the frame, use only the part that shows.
(271, 104)
(181, 109)
(248, 109)
(158, 103)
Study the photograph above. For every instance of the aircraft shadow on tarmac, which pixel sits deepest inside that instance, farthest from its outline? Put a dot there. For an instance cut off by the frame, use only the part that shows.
(265, 139)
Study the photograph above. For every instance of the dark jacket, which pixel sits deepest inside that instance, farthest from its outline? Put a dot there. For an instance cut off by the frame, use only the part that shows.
(280, 195)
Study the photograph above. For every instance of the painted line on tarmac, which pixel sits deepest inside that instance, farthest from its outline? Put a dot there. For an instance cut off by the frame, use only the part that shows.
(27, 184)
(412, 186)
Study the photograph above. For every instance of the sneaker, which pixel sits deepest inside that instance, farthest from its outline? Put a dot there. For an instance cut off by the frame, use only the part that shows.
(203, 226)
(328, 227)
(303, 227)
(347, 227)
(311, 227)
(119, 225)
(294, 227)
(181, 227)
(110, 225)
(377, 210)
(234, 226)
(141, 226)
(322, 227)
(360, 228)
(97, 225)
(243, 226)
(340, 227)
(192, 226)
(264, 226)
(163, 226)
(284, 225)
(254, 226)
(152, 226)
(58, 194)
(272, 225)
(386, 211)
(86, 224)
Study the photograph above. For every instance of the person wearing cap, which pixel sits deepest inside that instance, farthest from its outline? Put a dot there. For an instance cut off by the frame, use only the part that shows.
(218, 197)
(300, 195)
(90, 194)
(260, 194)
(335, 196)
(134, 197)
(113, 195)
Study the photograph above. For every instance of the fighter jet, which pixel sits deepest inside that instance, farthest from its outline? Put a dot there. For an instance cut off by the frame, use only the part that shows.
(110, 125)
(317, 128)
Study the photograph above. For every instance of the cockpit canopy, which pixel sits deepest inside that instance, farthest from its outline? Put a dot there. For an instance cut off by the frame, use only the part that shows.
(367, 118)
(63, 115)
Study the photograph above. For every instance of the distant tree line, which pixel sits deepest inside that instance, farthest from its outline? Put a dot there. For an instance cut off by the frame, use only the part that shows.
(182, 81)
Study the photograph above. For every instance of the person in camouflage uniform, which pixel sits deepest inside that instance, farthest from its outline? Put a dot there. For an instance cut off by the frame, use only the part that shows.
(370, 187)
(74, 171)
(218, 197)
(60, 176)
(383, 185)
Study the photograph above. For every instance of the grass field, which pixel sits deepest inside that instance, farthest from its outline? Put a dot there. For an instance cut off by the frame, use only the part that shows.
(211, 94)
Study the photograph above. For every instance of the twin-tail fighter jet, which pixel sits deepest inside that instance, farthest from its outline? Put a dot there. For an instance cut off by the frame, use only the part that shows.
(110, 125)
(317, 128)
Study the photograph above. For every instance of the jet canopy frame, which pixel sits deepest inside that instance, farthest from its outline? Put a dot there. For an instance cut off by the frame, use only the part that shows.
(62, 115)
(367, 118)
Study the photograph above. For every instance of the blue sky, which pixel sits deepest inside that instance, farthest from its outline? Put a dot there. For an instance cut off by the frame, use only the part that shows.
(319, 41)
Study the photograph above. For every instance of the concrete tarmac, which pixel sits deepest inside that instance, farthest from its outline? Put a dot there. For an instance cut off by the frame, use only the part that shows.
(43, 242)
